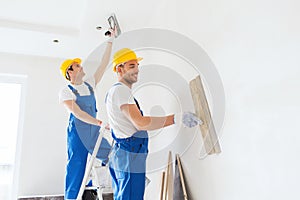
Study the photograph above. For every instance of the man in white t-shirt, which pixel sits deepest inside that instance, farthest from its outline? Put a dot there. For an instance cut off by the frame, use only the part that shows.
(83, 128)
(129, 127)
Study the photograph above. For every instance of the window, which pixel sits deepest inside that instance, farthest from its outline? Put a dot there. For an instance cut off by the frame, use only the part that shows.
(11, 107)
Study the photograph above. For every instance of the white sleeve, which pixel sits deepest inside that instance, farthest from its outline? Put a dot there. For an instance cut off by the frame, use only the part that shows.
(123, 96)
(66, 94)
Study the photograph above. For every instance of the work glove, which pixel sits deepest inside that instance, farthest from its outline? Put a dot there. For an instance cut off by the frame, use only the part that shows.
(188, 119)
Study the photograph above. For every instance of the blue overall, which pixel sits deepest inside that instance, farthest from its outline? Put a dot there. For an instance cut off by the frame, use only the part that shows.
(127, 165)
(81, 140)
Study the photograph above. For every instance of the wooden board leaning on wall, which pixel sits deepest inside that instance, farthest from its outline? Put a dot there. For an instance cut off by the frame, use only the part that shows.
(208, 132)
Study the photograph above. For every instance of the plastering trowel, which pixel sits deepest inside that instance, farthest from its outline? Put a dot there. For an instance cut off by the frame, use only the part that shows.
(113, 23)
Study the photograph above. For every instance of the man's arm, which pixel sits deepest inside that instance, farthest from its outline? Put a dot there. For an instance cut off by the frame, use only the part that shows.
(73, 107)
(104, 62)
(149, 123)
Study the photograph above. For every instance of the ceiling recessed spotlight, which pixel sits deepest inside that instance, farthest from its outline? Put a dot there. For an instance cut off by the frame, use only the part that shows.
(99, 27)
(55, 41)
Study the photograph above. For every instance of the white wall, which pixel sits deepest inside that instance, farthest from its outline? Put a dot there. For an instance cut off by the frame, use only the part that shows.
(254, 45)
(43, 152)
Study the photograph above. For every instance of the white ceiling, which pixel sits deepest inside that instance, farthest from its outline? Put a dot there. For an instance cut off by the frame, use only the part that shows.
(29, 27)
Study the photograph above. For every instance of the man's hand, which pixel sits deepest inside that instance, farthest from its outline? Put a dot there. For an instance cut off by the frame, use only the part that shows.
(99, 122)
(113, 32)
(107, 127)
(188, 119)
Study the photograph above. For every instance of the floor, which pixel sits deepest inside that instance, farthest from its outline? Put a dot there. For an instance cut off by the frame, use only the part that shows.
(107, 196)
(54, 197)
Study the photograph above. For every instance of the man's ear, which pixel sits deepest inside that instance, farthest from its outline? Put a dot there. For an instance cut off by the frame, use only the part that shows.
(70, 72)
(119, 70)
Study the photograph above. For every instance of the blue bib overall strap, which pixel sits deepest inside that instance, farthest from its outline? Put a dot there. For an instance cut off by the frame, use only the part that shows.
(81, 140)
(127, 165)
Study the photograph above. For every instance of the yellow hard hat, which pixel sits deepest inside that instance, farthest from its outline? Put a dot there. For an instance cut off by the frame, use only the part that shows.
(123, 56)
(66, 64)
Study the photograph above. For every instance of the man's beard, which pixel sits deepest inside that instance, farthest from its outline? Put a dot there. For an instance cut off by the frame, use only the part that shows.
(130, 79)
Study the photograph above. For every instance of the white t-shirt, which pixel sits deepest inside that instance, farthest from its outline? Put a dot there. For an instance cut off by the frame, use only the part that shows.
(67, 94)
(116, 97)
